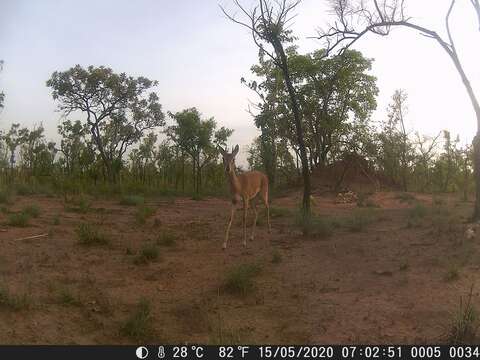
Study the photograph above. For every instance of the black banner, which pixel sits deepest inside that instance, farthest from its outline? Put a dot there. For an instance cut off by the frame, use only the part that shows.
(244, 352)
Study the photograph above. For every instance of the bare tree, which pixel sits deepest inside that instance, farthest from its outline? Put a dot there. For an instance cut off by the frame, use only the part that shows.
(355, 18)
(268, 22)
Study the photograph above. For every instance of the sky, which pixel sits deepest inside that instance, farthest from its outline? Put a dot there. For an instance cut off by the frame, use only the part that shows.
(198, 58)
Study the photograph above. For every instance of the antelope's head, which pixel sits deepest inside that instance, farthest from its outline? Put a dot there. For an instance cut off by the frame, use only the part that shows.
(229, 159)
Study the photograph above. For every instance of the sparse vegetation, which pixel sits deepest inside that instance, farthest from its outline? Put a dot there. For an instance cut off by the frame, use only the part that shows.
(132, 200)
(167, 238)
(139, 325)
(405, 197)
(464, 326)
(239, 279)
(147, 254)
(276, 257)
(66, 297)
(19, 219)
(32, 210)
(452, 274)
(358, 221)
(12, 301)
(316, 226)
(143, 213)
(89, 234)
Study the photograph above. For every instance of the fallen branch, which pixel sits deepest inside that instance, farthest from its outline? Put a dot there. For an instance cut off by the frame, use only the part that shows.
(31, 237)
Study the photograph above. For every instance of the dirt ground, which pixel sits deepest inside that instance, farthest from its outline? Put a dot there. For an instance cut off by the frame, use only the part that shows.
(398, 279)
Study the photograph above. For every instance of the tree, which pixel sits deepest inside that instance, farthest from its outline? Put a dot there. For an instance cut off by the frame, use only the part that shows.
(2, 95)
(117, 107)
(355, 18)
(198, 138)
(268, 24)
(72, 144)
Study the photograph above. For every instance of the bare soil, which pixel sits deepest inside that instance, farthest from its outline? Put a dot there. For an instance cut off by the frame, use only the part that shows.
(386, 283)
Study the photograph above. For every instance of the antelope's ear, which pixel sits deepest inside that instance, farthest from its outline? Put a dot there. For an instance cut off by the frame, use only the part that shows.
(235, 151)
(222, 151)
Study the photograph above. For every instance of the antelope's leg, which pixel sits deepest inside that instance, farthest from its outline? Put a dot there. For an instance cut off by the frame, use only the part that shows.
(232, 213)
(245, 209)
(254, 205)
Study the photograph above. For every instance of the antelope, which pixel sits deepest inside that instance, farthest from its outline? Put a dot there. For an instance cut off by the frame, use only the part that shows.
(245, 187)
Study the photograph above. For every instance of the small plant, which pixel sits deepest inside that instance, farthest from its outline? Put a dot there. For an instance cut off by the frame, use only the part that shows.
(239, 279)
(20, 219)
(415, 214)
(32, 210)
(139, 325)
(405, 197)
(56, 220)
(143, 213)
(89, 234)
(276, 257)
(358, 221)
(147, 254)
(276, 212)
(65, 297)
(80, 205)
(167, 238)
(132, 200)
(13, 302)
(452, 274)
(4, 197)
(465, 323)
(318, 227)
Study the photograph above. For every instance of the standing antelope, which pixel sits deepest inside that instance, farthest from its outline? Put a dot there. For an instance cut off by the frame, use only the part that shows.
(245, 186)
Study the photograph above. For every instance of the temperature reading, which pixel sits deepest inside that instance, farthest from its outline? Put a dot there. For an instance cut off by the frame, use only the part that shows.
(225, 352)
(180, 352)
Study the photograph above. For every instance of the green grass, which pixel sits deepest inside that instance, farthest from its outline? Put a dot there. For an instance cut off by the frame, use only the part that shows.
(240, 278)
(132, 200)
(147, 254)
(32, 210)
(89, 235)
(452, 274)
(464, 325)
(406, 197)
(13, 302)
(19, 219)
(167, 238)
(315, 226)
(139, 325)
(276, 257)
(79, 205)
(143, 213)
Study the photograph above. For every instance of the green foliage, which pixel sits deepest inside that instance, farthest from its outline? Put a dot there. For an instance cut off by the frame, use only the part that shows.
(139, 325)
(315, 226)
(13, 302)
(167, 238)
(464, 325)
(147, 254)
(239, 278)
(19, 219)
(32, 210)
(132, 200)
(143, 213)
(89, 234)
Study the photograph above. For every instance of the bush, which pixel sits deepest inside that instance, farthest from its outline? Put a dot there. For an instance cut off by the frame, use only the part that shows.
(147, 254)
(239, 279)
(167, 238)
(32, 210)
(132, 200)
(143, 213)
(88, 234)
(319, 227)
(138, 326)
(20, 219)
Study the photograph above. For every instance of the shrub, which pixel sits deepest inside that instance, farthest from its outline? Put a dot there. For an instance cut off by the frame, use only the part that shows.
(147, 254)
(89, 234)
(167, 238)
(32, 210)
(20, 219)
(143, 213)
(139, 325)
(239, 279)
(132, 200)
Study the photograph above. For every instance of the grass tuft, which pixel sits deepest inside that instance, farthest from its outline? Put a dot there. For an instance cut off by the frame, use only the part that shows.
(32, 210)
(143, 213)
(167, 238)
(464, 326)
(20, 219)
(139, 325)
(132, 200)
(147, 254)
(89, 235)
(239, 279)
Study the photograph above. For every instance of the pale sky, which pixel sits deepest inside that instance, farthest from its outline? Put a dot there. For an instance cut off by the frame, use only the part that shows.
(198, 57)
